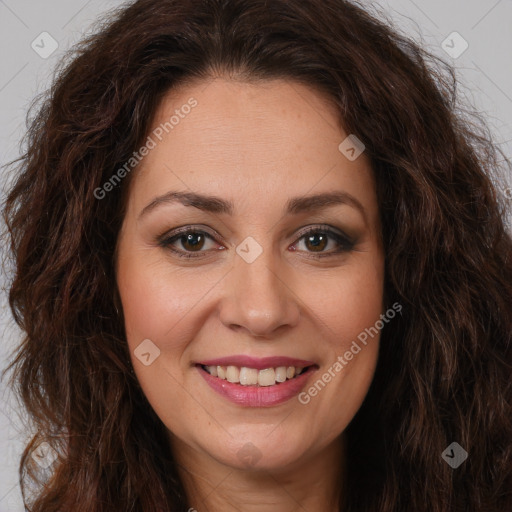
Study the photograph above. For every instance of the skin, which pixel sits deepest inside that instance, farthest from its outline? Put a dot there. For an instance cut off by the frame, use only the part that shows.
(256, 145)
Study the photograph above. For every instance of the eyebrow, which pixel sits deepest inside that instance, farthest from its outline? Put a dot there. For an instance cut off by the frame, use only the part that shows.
(294, 206)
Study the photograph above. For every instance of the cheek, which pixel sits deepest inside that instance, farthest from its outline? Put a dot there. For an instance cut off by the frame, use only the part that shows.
(157, 299)
(157, 305)
(346, 304)
(349, 322)
(151, 305)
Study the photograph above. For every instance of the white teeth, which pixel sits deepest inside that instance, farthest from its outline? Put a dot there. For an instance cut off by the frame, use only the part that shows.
(267, 377)
(248, 376)
(281, 373)
(253, 377)
(232, 374)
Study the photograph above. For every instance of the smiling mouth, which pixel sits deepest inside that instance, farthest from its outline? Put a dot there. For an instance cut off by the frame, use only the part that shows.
(252, 377)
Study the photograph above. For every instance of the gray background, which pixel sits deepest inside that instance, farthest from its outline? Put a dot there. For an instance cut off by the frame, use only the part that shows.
(484, 70)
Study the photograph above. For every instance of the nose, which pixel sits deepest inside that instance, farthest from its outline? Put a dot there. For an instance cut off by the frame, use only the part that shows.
(258, 298)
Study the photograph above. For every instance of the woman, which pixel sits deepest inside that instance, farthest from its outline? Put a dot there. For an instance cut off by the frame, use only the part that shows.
(261, 265)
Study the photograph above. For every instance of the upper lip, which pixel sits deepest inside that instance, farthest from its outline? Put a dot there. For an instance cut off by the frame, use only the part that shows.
(256, 362)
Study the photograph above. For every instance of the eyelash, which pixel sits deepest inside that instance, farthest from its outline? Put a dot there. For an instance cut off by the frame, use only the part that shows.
(345, 244)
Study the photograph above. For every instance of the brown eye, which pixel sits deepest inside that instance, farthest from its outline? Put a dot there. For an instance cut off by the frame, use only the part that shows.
(317, 240)
(187, 242)
(192, 241)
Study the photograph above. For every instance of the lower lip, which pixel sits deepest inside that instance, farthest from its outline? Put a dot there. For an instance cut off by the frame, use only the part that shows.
(257, 396)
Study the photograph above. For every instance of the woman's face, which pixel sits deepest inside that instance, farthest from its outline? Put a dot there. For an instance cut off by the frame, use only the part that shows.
(254, 292)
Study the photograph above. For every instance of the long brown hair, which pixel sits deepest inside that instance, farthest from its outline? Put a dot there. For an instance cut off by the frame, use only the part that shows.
(444, 366)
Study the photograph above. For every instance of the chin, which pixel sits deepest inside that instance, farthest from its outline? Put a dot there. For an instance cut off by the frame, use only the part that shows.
(259, 452)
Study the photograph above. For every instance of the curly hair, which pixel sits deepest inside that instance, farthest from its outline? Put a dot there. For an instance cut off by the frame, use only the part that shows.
(444, 366)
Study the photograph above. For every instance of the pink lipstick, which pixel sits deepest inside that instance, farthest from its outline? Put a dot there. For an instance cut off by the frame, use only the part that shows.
(256, 382)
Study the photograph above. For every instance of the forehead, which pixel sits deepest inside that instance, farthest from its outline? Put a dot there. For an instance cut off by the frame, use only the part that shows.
(271, 107)
(256, 141)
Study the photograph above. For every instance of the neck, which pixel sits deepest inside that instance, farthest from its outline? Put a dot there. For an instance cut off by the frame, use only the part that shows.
(312, 483)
